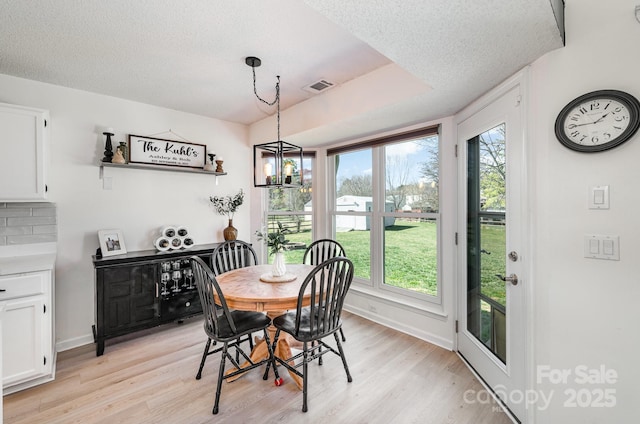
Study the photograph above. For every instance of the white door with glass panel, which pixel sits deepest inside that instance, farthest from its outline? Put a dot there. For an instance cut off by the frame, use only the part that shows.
(491, 316)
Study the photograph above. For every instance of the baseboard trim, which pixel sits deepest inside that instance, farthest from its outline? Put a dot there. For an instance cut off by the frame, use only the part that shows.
(403, 328)
(68, 344)
(444, 343)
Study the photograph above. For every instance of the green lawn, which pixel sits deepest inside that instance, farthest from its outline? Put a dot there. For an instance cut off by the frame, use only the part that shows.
(493, 262)
(411, 255)
(411, 259)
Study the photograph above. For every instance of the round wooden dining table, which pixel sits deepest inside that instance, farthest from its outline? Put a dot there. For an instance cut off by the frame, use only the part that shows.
(244, 290)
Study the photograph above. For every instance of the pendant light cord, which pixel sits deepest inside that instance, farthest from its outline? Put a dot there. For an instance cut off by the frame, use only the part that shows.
(275, 101)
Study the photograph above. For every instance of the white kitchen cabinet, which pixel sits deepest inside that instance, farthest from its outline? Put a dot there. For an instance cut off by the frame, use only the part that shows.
(23, 148)
(28, 355)
(1, 394)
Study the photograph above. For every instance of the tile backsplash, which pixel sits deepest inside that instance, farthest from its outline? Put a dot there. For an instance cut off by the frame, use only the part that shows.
(28, 223)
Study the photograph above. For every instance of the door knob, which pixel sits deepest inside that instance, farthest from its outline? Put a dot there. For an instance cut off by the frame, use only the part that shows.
(513, 278)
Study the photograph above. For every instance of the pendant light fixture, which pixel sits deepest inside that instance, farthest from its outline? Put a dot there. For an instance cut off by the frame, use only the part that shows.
(277, 163)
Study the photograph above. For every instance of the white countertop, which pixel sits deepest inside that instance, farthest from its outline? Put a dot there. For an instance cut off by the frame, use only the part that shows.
(27, 258)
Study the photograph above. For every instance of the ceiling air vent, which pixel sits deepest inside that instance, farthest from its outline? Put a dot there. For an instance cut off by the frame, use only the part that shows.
(318, 86)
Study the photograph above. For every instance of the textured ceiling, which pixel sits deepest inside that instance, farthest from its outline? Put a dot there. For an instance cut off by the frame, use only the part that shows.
(189, 55)
(461, 48)
(186, 55)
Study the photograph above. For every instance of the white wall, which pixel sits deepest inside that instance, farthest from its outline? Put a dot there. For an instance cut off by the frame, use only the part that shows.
(586, 310)
(141, 201)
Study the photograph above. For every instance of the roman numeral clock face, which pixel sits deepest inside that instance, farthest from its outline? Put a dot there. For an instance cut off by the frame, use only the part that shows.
(598, 121)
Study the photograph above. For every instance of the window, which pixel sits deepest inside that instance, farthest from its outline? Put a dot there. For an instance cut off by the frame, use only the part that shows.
(410, 219)
(292, 207)
(353, 208)
(386, 211)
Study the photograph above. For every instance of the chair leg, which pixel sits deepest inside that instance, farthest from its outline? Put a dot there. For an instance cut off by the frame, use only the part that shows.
(342, 335)
(238, 347)
(344, 360)
(272, 361)
(250, 347)
(204, 358)
(220, 378)
(304, 376)
(271, 352)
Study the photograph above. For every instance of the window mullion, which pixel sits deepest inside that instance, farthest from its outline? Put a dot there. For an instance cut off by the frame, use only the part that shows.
(331, 198)
(377, 234)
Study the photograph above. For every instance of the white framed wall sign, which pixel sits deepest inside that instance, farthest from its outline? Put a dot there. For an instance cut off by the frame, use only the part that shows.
(158, 151)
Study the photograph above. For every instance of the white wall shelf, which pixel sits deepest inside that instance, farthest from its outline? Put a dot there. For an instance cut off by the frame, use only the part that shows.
(159, 168)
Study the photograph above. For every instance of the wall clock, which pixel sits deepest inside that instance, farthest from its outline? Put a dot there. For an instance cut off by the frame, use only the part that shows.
(598, 121)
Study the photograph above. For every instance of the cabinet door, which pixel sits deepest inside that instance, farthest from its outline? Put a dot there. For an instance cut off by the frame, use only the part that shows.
(130, 298)
(1, 385)
(23, 340)
(22, 161)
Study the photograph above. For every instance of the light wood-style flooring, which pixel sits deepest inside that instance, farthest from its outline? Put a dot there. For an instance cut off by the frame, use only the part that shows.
(150, 378)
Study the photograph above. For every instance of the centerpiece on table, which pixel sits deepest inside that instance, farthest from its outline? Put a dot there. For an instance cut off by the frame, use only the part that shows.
(228, 205)
(277, 243)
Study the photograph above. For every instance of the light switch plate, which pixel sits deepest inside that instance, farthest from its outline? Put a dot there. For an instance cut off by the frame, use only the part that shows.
(599, 197)
(602, 247)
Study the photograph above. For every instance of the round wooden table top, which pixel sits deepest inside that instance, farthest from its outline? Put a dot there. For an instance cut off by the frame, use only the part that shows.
(243, 289)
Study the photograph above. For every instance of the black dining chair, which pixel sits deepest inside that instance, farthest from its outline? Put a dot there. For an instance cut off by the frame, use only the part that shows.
(230, 255)
(327, 285)
(321, 250)
(230, 328)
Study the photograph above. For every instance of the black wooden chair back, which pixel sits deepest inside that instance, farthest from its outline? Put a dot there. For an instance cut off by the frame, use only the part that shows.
(232, 255)
(321, 250)
(318, 252)
(328, 285)
(216, 317)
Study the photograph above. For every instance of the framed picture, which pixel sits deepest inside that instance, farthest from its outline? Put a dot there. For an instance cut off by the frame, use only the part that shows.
(111, 242)
(158, 151)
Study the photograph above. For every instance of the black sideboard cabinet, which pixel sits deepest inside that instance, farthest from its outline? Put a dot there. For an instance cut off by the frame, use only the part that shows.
(144, 289)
